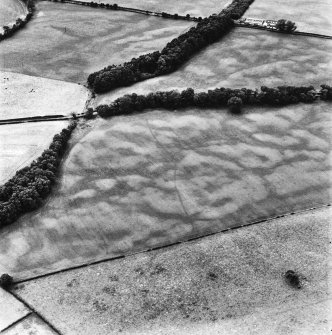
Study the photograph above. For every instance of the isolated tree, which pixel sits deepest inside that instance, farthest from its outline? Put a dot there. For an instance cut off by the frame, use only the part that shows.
(286, 26)
(6, 281)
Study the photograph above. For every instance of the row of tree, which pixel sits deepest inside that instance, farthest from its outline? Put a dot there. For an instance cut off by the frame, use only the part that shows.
(176, 52)
(219, 97)
(30, 185)
(20, 23)
(237, 8)
(147, 12)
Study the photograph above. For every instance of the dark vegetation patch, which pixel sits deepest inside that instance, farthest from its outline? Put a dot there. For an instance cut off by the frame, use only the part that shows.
(6, 281)
(293, 279)
(219, 97)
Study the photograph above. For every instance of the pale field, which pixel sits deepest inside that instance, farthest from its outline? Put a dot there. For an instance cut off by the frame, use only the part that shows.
(194, 8)
(245, 58)
(133, 183)
(20, 144)
(25, 96)
(11, 309)
(30, 325)
(68, 42)
(10, 11)
(172, 291)
(313, 16)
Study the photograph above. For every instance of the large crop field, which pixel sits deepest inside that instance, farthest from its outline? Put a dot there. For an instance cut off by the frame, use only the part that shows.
(313, 16)
(246, 58)
(58, 45)
(138, 182)
(198, 8)
(10, 10)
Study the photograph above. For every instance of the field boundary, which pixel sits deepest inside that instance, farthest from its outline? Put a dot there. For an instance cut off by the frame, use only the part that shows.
(300, 33)
(116, 7)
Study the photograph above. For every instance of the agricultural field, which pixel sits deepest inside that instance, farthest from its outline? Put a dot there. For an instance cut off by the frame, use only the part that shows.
(10, 309)
(20, 144)
(133, 183)
(245, 58)
(10, 10)
(57, 45)
(38, 96)
(222, 284)
(313, 16)
(198, 8)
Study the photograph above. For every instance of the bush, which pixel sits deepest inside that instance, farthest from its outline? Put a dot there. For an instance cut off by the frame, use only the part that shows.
(30, 185)
(286, 26)
(6, 281)
(235, 104)
(293, 279)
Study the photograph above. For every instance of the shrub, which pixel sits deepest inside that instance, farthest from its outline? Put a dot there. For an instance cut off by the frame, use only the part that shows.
(235, 104)
(293, 279)
(6, 281)
(286, 26)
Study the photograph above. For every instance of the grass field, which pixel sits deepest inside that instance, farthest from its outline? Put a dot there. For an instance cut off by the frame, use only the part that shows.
(38, 96)
(58, 45)
(246, 58)
(137, 182)
(198, 8)
(228, 283)
(20, 144)
(312, 16)
(10, 10)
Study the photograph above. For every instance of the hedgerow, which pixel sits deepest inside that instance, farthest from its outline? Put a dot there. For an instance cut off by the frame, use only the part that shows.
(176, 52)
(19, 24)
(25, 191)
(219, 97)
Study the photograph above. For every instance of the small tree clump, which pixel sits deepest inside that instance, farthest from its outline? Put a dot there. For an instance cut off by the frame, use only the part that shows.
(6, 281)
(293, 279)
(235, 104)
(286, 26)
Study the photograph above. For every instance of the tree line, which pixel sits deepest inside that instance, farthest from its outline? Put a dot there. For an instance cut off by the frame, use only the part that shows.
(175, 53)
(135, 10)
(20, 23)
(25, 191)
(219, 97)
